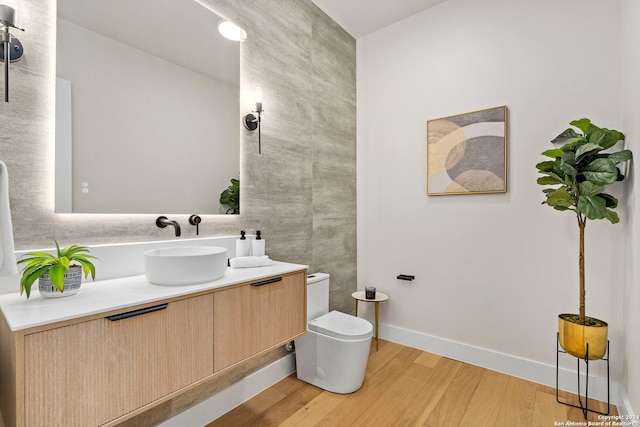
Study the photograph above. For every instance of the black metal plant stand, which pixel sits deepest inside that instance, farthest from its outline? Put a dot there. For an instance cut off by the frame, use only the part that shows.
(584, 407)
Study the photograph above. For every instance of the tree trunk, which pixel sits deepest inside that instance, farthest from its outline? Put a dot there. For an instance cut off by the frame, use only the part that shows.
(582, 222)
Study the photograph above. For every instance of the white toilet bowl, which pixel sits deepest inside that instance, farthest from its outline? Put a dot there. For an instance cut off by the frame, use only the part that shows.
(333, 354)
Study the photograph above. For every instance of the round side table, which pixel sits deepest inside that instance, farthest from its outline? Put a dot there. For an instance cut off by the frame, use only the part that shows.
(359, 296)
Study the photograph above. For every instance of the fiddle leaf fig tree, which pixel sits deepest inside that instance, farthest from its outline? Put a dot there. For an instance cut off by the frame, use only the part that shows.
(576, 178)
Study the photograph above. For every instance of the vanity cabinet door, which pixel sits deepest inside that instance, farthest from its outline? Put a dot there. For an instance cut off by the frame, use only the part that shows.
(281, 311)
(87, 374)
(232, 319)
(258, 316)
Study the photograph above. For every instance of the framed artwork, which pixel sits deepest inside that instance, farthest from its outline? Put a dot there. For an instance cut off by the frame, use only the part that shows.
(467, 153)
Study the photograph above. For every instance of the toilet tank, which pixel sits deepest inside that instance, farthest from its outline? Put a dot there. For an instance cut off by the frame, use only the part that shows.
(317, 295)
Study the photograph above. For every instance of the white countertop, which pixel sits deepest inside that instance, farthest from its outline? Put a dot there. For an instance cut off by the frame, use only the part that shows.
(113, 294)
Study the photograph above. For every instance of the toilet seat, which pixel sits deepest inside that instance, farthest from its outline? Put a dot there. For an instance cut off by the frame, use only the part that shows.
(340, 325)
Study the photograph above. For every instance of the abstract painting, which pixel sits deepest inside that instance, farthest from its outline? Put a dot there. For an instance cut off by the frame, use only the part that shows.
(467, 153)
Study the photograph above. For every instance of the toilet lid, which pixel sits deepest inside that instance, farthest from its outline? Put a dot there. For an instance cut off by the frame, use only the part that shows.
(341, 325)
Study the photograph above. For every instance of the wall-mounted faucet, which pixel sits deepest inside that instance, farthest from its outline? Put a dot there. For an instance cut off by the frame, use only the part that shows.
(163, 221)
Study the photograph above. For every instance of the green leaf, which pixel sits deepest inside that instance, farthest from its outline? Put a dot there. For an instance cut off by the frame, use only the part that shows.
(546, 166)
(612, 217)
(601, 172)
(551, 179)
(588, 188)
(568, 169)
(56, 275)
(567, 134)
(57, 248)
(85, 258)
(572, 144)
(593, 207)
(587, 148)
(87, 268)
(560, 199)
(605, 138)
(34, 255)
(567, 164)
(569, 157)
(582, 124)
(620, 156)
(70, 251)
(64, 261)
(29, 277)
(38, 261)
(611, 201)
(553, 153)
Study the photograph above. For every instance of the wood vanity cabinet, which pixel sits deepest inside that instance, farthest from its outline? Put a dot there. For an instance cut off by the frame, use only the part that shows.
(89, 373)
(257, 316)
(103, 369)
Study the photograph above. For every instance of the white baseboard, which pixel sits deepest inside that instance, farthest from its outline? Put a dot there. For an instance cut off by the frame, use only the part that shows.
(625, 408)
(530, 370)
(225, 400)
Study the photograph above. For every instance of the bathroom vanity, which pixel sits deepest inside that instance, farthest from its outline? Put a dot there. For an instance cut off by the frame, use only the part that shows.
(122, 346)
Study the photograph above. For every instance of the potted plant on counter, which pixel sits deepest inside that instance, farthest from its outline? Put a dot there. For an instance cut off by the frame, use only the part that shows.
(578, 174)
(58, 275)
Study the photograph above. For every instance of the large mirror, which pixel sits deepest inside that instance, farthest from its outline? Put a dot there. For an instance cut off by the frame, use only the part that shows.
(147, 108)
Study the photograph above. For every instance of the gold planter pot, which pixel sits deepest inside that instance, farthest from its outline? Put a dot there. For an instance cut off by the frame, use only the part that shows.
(574, 336)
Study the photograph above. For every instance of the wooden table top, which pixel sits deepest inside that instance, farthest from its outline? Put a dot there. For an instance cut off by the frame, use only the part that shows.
(360, 296)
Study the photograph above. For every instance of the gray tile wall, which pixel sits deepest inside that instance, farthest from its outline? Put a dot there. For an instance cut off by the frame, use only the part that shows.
(301, 192)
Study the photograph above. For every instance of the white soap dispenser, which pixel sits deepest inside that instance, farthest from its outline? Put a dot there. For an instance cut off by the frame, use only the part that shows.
(257, 245)
(242, 245)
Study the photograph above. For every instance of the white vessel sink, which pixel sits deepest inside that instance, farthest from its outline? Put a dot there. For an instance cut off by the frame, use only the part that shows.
(187, 265)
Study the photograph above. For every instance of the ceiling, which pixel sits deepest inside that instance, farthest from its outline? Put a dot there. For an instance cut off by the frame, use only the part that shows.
(361, 17)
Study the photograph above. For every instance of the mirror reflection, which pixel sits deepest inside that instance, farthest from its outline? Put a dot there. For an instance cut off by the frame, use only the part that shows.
(147, 108)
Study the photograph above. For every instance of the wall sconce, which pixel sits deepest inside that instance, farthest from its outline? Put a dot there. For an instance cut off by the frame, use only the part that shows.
(251, 122)
(11, 47)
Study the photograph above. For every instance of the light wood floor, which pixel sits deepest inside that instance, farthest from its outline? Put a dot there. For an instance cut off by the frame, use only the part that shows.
(408, 387)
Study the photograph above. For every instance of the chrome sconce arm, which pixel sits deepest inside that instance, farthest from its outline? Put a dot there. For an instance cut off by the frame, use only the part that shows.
(11, 47)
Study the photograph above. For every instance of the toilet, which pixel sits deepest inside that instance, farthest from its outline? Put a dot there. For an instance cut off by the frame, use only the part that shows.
(333, 353)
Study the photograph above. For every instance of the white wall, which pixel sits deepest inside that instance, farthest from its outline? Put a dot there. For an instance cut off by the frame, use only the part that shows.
(630, 18)
(492, 271)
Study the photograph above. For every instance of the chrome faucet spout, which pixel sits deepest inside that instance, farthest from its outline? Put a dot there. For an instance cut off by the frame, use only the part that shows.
(163, 221)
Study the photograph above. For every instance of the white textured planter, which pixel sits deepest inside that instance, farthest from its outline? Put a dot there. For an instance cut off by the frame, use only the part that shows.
(72, 282)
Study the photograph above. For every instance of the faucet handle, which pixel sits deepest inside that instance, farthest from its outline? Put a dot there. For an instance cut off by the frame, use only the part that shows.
(195, 220)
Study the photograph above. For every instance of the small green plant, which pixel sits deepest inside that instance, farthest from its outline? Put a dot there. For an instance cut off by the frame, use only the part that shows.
(578, 174)
(38, 263)
(231, 197)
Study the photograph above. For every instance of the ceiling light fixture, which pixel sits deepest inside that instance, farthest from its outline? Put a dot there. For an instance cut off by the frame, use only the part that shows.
(231, 31)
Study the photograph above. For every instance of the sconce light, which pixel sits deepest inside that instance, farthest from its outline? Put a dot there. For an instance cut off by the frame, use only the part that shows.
(251, 122)
(11, 47)
(231, 31)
